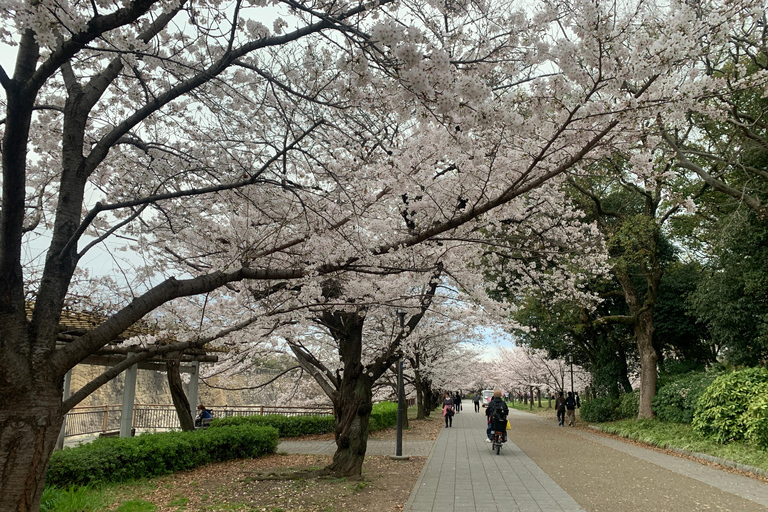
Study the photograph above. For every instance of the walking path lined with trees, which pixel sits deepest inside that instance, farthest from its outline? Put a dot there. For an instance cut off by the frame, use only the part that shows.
(550, 468)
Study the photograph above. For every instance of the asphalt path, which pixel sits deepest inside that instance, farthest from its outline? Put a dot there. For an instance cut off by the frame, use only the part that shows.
(607, 475)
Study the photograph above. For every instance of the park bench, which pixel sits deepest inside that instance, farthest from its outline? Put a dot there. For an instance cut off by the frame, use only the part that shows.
(116, 433)
(204, 424)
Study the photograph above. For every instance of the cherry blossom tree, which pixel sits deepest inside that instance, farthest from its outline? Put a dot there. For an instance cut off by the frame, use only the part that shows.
(523, 368)
(721, 138)
(344, 140)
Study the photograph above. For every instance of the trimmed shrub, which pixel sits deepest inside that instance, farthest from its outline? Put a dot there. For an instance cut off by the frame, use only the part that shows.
(600, 409)
(108, 460)
(383, 415)
(723, 410)
(287, 426)
(676, 401)
(629, 404)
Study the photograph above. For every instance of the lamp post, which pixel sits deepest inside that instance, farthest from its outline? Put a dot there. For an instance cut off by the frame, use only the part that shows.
(401, 410)
(570, 361)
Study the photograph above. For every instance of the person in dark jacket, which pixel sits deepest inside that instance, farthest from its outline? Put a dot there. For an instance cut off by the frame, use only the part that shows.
(497, 410)
(457, 402)
(570, 408)
(202, 414)
(560, 406)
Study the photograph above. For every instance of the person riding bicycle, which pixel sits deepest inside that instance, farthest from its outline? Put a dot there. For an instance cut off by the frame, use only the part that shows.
(496, 412)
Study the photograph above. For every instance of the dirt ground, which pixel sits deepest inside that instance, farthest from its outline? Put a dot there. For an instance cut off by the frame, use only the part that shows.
(288, 483)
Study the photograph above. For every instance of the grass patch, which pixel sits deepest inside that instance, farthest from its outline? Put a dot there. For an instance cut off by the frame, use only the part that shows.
(72, 499)
(519, 406)
(136, 506)
(682, 436)
(180, 502)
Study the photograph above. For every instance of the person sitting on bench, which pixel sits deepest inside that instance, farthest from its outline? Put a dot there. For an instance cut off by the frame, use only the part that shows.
(202, 414)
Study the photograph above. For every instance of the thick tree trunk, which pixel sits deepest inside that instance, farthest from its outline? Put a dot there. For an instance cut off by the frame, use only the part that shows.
(29, 427)
(428, 401)
(180, 401)
(648, 360)
(353, 411)
(353, 397)
(421, 405)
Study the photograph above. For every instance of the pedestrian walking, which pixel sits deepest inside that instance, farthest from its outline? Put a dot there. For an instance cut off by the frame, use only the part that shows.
(448, 410)
(476, 401)
(570, 408)
(457, 401)
(578, 402)
(560, 407)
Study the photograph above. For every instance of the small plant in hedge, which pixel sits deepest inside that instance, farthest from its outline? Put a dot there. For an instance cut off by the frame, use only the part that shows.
(756, 421)
(723, 410)
(629, 404)
(676, 401)
(601, 409)
(118, 460)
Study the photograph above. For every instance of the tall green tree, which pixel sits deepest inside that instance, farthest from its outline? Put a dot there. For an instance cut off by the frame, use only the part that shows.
(632, 203)
(732, 298)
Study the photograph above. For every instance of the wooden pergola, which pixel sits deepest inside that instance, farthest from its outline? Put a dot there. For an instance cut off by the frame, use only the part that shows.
(74, 324)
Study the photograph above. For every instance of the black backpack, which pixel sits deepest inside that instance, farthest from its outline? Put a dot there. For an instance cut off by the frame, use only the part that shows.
(500, 413)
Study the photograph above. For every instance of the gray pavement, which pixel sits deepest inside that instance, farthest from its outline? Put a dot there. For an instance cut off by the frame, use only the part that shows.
(563, 469)
(463, 474)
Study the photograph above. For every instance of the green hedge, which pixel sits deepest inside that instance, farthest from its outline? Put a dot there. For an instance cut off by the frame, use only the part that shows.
(108, 460)
(383, 415)
(600, 409)
(287, 426)
(676, 401)
(734, 407)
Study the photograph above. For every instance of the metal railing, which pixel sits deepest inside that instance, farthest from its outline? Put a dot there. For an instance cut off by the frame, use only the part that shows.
(106, 418)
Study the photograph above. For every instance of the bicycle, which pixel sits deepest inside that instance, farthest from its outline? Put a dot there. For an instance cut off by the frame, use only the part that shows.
(498, 436)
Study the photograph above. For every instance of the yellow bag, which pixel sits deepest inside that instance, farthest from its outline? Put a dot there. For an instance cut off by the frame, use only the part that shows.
(509, 427)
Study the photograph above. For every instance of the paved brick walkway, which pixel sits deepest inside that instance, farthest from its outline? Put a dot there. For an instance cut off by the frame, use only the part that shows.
(563, 469)
(464, 475)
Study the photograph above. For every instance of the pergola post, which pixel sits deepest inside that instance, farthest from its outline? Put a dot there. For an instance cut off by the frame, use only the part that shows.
(129, 395)
(63, 432)
(194, 377)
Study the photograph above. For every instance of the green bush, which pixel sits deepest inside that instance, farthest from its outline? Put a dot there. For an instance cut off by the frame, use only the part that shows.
(629, 404)
(676, 401)
(599, 410)
(117, 460)
(287, 426)
(383, 415)
(723, 410)
(756, 421)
